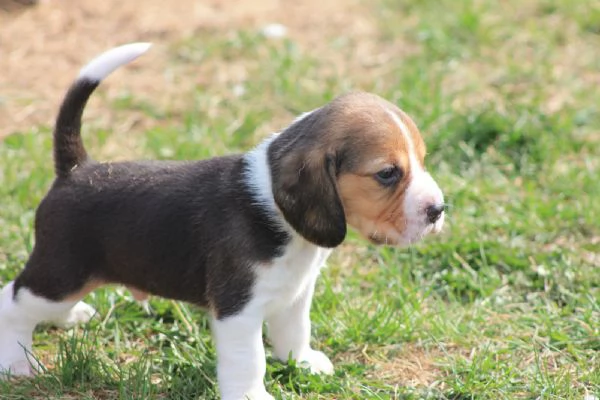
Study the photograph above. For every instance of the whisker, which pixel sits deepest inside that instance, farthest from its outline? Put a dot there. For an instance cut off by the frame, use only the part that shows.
(448, 206)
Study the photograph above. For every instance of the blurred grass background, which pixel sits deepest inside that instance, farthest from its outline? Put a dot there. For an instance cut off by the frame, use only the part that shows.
(504, 304)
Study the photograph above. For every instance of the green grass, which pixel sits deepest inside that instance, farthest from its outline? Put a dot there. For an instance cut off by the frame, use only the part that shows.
(504, 304)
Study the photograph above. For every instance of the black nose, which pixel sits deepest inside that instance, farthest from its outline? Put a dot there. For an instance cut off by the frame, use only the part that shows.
(434, 212)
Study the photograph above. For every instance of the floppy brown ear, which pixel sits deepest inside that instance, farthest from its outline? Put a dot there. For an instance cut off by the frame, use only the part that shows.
(305, 184)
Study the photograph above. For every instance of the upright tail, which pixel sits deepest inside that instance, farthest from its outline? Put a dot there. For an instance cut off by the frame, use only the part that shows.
(68, 146)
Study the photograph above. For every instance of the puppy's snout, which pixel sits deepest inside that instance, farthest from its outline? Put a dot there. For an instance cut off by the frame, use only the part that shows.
(434, 212)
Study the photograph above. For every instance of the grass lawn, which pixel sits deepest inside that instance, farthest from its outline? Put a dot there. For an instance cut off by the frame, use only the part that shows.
(505, 304)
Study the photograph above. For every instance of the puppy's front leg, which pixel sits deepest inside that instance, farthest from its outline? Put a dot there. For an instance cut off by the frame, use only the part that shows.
(289, 331)
(241, 363)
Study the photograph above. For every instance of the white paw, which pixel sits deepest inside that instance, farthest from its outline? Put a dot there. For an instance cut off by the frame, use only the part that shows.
(79, 314)
(17, 368)
(258, 394)
(317, 362)
(15, 346)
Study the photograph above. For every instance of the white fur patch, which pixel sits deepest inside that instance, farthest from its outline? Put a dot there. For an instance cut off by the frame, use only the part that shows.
(241, 363)
(282, 295)
(422, 192)
(101, 66)
(258, 174)
(15, 337)
(414, 165)
(19, 317)
(80, 313)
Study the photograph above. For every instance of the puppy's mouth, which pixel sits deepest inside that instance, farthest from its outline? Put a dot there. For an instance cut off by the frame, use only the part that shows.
(407, 238)
(376, 239)
(383, 240)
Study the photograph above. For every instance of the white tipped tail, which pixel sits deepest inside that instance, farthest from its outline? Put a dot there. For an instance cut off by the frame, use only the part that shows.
(69, 151)
(101, 66)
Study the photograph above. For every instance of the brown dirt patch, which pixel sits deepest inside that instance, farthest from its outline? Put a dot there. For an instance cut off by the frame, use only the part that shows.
(406, 365)
(43, 46)
(416, 368)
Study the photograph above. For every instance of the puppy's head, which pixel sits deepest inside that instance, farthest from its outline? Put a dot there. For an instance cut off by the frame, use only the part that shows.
(360, 161)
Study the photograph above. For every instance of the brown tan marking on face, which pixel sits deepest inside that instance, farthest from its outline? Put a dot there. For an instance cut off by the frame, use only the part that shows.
(329, 169)
(415, 135)
(370, 210)
(377, 142)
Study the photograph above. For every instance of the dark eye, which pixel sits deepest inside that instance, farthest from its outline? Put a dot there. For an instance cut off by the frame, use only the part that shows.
(388, 176)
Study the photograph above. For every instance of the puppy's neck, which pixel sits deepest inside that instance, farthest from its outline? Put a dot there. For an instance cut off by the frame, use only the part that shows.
(258, 178)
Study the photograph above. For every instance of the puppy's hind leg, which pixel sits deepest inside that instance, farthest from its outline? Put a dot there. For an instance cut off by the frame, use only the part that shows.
(20, 311)
(15, 336)
(22, 307)
(80, 313)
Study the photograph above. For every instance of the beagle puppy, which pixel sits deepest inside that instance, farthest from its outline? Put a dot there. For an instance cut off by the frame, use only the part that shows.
(243, 236)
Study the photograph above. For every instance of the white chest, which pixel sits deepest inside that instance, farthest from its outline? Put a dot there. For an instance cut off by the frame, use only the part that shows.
(281, 282)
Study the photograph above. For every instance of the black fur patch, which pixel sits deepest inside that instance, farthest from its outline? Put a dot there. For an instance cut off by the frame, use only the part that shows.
(304, 181)
(185, 231)
(68, 147)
